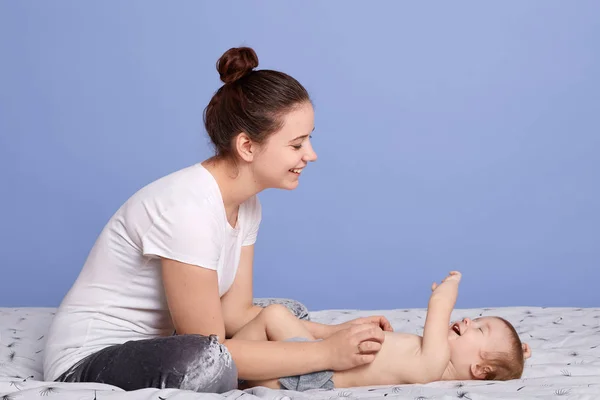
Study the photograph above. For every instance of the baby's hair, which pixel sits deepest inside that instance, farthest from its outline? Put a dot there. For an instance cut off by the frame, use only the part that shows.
(506, 366)
(250, 101)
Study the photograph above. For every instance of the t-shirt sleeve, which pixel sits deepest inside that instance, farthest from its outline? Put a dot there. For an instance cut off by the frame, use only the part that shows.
(189, 234)
(254, 219)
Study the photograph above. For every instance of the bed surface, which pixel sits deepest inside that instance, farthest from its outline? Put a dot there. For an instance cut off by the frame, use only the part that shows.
(565, 361)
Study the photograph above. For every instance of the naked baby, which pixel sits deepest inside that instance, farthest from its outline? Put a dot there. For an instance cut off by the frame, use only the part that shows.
(485, 348)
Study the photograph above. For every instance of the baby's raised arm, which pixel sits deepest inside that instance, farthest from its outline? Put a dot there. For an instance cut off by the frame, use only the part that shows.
(435, 349)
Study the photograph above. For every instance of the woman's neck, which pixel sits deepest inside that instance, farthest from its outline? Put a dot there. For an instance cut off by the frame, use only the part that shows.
(236, 183)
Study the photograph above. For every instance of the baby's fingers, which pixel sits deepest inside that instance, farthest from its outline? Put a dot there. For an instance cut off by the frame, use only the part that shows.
(454, 275)
(434, 286)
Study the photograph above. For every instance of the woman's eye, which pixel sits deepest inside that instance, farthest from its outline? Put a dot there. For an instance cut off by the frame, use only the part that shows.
(299, 146)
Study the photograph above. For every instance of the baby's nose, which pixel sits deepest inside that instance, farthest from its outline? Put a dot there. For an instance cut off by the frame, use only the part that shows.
(467, 321)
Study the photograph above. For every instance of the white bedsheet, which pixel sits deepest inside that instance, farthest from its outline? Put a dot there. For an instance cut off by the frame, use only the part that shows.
(565, 361)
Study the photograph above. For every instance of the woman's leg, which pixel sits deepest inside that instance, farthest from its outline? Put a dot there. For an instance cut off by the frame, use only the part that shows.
(191, 362)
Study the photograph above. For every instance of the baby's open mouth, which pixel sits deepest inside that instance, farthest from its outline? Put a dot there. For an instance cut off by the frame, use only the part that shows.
(456, 329)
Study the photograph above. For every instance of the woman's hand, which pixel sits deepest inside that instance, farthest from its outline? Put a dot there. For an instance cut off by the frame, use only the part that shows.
(353, 346)
(379, 320)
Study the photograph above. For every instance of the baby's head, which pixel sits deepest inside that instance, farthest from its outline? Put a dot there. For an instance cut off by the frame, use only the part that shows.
(487, 348)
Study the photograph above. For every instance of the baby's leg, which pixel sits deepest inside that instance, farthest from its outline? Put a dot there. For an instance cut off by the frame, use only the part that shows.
(274, 323)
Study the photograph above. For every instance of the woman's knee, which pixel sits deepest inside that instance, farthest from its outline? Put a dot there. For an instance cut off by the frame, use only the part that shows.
(208, 365)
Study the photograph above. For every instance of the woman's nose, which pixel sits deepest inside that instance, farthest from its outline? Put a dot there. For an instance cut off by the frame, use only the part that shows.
(311, 155)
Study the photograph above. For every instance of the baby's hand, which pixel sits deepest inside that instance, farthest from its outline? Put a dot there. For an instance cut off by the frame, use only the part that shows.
(453, 276)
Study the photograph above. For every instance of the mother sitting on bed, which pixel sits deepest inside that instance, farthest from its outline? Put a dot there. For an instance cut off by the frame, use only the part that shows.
(169, 280)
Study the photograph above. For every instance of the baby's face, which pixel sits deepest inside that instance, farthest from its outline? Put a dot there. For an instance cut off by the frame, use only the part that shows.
(469, 339)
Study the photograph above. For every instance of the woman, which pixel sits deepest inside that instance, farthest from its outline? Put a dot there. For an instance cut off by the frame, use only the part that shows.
(169, 279)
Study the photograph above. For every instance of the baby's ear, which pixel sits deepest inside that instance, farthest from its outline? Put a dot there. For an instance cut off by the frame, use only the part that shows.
(480, 371)
(526, 351)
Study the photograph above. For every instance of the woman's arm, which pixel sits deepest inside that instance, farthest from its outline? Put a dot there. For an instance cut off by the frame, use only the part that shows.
(192, 294)
(238, 303)
(348, 348)
(193, 299)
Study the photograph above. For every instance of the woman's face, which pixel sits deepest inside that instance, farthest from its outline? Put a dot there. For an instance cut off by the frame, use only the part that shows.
(282, 158)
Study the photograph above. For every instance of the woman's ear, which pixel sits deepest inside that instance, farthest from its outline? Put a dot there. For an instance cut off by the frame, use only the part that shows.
(244, 146)
(526, 350)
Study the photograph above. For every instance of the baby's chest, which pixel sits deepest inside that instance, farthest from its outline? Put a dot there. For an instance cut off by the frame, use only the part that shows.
(401, 356)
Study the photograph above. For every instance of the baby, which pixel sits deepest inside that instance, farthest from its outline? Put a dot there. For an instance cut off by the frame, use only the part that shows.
(483, 348)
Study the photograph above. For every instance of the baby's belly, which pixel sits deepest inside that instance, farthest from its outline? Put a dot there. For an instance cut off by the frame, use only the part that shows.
(398, 353)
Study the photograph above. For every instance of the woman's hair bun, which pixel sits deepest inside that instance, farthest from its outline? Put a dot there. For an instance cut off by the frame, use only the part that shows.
(236, 63)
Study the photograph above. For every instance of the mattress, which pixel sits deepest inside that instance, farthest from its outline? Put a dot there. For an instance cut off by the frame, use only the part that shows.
(565, 362)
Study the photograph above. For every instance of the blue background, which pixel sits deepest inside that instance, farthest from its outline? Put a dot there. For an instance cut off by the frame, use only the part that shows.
(449, 137)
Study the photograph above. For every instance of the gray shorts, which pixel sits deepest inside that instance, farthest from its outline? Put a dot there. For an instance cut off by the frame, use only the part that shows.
(313, 380)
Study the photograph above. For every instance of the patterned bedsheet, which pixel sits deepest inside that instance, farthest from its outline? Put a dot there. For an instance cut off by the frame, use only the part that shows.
(565, 361)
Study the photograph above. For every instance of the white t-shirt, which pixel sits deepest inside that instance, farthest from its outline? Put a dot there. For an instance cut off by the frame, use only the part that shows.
(119, 295)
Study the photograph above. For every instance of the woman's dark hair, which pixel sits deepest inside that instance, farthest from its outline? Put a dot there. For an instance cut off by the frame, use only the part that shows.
(250, 101)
